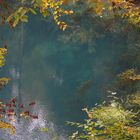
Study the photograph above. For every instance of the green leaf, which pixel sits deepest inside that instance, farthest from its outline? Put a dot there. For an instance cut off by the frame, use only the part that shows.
(9, 18)
(24, 18)
(32, 11)
(23, 12)
(20, 9)
(44, 129)
(16, 22)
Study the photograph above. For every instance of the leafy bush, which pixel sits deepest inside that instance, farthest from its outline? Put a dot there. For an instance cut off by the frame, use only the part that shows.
(110, 121)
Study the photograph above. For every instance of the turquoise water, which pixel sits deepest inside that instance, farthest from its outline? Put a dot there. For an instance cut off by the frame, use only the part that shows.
(62, 76)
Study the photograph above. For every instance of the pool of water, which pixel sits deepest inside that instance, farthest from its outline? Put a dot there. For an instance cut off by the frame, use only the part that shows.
(61, 77)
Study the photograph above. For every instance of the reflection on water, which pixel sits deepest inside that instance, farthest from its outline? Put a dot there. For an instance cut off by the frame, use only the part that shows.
(61, 77)
(15, 75)
(31, 130)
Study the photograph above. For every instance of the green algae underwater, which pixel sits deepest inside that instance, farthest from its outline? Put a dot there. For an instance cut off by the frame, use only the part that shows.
(65, 72)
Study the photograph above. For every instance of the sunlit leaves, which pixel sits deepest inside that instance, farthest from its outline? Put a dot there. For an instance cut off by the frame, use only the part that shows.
(136, 99)
(108, 121)
(3, 82)
(3, 52)
(127, 9)
(7, 126)
(53, 7)
(18, 16)
(130, 74)
(47, 8)
(124, 8)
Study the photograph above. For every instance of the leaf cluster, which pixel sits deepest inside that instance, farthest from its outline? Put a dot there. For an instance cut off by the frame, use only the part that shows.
(47, 8)
(108, 122)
